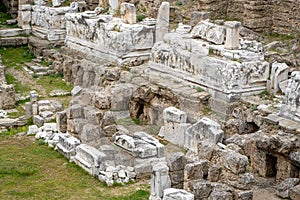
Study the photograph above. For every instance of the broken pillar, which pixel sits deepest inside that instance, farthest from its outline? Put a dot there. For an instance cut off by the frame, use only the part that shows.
(279, 73)
(290, 107)
(128, 13)
(232, 34)
(162, 23)
(160, 180)
(113, 6)
(174, 126)
(24, 16)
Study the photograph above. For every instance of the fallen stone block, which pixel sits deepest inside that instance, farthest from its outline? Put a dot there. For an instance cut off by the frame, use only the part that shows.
(32, 130)
(283, 189)
(172, 114)
(204, 130)
(178, 194)
(90, 159)
(67, 145)
(235, 162)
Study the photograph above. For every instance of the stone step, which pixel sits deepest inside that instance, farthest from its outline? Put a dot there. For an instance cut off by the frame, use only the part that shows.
(36, 67)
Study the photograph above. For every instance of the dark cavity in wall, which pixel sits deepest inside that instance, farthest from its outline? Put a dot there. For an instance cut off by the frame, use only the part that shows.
(271, 162)
(248, 127)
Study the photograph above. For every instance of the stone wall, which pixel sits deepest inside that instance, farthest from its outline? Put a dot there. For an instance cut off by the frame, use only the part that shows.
(280, 16)
(7, 92)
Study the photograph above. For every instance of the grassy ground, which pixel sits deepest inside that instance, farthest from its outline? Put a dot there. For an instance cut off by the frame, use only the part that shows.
(54, 82)
(15, 56)
(32, 171)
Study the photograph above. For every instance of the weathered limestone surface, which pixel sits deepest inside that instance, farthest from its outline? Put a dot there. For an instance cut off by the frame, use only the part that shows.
(141, 144)
(106, 37)
(162, 22)
(279, 74)
(204, 130)
(290, 107)
(178, 194)
(48, 22)
(193, 60)
(90, 159)
(232, 34)
(67, 145)
(176, 163)
(159, 181)
(209, 31)
(128, 13)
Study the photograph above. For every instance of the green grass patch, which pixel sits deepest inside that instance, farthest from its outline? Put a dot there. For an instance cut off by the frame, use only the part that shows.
(15, 57)
(19, 87)
(32, 171)
(199, 89)
(266, 95)
(19, 112)
(54, 82)
(178, 3)
(279, 37)
(14, 131)
(140, 17)
(45, 63)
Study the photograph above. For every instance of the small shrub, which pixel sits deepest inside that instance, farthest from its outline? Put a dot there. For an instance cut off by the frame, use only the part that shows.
(199, 89)
(140, 18)
(254, 107)
(266, 95)
(179, 3)
(41, 142)
(136, 121)
(57, 75)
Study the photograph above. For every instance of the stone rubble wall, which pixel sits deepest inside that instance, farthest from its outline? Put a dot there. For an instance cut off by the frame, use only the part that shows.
(7, 91)
(279, 16)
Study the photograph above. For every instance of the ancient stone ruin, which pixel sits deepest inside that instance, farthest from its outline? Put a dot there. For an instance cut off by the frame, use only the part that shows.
(232, 114)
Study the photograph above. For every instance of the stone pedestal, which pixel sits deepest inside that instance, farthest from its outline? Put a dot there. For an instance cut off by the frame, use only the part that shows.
(128, 13)
(232, 34)
(24, 16)
(160, 180)
(113, 6)
(162, 23)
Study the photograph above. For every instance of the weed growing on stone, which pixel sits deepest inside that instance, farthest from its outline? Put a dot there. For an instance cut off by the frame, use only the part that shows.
(140, 18)
(178, 3)
(266, 95)
(199, 89)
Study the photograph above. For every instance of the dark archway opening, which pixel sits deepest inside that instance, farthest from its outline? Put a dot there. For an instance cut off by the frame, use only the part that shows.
(271, 162)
